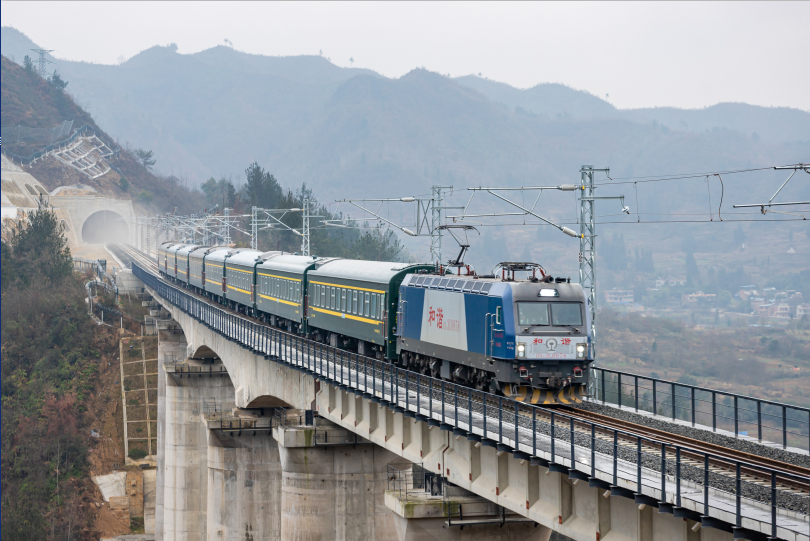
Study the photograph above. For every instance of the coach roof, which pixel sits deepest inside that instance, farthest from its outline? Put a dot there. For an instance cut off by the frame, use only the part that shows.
(288, 263)
(380, 272)
(245, 256)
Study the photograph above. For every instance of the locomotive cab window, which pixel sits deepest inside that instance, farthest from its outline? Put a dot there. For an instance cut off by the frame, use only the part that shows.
(566, 313)
(498, 315)
(533, 313)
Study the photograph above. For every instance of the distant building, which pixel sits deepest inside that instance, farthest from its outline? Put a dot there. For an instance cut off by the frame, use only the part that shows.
(620, 296)
(694, 297)
(803, 310)
(772, 309)
(671, 282)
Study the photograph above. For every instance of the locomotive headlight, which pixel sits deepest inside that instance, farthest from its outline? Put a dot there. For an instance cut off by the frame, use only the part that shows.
(582, 351)
(521, 350)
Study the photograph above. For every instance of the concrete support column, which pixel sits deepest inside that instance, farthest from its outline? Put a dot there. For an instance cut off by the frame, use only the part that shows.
(335, 492)
(244, 486)
(183, 471)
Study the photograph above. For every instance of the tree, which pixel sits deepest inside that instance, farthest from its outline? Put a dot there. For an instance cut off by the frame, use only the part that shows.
(28, 64)
(123, 183)
(38, 247)
(377, 245)
(57, 82)
(221, 192)
(145, 157)
(263, 190)
(352, 60)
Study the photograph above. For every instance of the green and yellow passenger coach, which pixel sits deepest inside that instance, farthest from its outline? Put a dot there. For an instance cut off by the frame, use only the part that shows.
(353, 304)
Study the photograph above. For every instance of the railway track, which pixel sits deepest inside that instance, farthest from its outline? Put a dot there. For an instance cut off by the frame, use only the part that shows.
(691, 454)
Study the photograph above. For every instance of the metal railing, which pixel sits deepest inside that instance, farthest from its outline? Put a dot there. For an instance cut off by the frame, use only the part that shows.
(28, 160)
(543, 436)
(781, 423)
(413, 480)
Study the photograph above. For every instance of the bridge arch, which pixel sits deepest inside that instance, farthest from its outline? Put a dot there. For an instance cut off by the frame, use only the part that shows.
(104, 226)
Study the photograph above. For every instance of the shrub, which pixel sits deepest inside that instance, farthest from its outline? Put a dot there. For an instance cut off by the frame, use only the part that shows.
(136, 454)
(145, 196)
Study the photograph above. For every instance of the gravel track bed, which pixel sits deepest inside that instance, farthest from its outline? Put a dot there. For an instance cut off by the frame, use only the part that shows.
(700, 435)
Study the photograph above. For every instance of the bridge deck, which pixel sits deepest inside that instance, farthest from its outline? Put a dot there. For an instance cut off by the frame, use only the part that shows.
(492, 420)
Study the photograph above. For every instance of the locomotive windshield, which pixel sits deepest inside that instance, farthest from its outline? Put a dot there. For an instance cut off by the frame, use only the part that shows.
(566, 313)
(533, 313)
(562, 313)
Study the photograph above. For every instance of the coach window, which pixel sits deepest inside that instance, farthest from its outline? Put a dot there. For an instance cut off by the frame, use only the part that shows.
(373, 306)
(382, 305)
(354, 302)
(342, 300)
(365, 310)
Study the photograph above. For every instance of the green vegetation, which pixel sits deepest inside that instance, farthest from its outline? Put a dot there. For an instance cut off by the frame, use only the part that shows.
(264, 191)
(145, 157)
(136, 453)
(51, 350)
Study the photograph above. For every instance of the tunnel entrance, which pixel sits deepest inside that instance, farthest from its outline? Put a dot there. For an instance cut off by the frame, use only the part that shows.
(104, 226)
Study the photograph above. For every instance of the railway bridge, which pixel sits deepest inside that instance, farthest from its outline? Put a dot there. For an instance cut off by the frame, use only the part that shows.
(265, 435)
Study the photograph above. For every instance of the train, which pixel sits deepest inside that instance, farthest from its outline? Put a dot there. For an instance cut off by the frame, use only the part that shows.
(519, 332)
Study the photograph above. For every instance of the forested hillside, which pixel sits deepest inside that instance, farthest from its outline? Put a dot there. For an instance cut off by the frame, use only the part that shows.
(53, 356)
(30, 101)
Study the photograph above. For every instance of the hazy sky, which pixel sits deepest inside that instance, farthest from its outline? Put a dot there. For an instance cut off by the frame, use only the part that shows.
(685, 54)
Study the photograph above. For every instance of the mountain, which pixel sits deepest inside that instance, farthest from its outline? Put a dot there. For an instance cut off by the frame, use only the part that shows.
(31, 101)
(550, 99)
(213, 112)
(352, 133)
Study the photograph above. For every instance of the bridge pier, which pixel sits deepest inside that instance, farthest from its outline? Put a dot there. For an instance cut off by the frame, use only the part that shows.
(332, 487)
(244, 486)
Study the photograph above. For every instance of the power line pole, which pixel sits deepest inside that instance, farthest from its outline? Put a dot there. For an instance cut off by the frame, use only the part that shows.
(305, 246)
(42, 62)
(587, 240)
(437, 205)
(224, 230)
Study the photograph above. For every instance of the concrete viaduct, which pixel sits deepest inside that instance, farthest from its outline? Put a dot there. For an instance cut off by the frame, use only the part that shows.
(226, 472)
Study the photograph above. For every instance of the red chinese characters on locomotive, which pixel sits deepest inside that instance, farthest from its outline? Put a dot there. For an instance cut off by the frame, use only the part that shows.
(437, 316)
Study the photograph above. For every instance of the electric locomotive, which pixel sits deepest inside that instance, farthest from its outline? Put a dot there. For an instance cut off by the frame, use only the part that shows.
(527, 339)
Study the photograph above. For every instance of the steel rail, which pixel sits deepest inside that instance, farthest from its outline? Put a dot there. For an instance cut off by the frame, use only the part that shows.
(699, 445)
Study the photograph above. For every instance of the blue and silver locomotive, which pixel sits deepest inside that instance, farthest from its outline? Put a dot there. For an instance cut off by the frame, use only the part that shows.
(527, 339)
